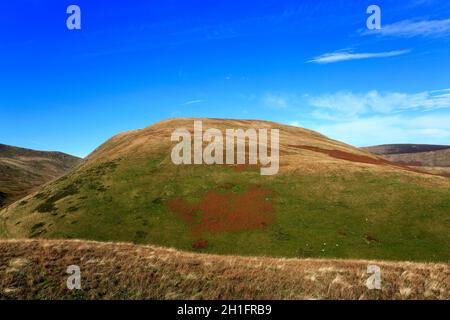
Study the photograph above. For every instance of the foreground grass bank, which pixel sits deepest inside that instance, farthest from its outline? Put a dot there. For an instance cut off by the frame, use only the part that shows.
(36, 269)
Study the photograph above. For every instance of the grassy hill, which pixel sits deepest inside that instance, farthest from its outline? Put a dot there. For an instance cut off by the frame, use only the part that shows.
(329, 200)
(23, 170)
(36, 269)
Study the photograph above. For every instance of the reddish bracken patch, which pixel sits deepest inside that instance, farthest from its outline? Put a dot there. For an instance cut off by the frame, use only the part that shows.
(200, 244)
(225, 212)
(338, 154)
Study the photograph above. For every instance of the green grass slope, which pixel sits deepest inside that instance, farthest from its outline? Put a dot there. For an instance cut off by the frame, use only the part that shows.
(318, 205)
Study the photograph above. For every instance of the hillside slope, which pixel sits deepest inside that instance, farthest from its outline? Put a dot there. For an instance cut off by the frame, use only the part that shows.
(37, 270)
(329, 199)
(23, 170)
(387, 149)
(430, 158)
(439, 158)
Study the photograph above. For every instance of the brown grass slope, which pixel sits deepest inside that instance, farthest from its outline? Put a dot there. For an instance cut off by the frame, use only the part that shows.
(440, 158)
(385, 149)
(142, 142)
(23, 170)
(36, 269)
(414, 154)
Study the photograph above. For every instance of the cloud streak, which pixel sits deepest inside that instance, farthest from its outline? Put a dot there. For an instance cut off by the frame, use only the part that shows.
(187, 103)
(346, 103)
(412, 28)
(340, 56)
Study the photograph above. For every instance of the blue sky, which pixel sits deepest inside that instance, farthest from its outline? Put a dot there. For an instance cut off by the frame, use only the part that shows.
(308, 63)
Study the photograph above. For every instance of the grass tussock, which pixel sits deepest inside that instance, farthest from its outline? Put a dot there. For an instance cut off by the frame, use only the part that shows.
(36, 269)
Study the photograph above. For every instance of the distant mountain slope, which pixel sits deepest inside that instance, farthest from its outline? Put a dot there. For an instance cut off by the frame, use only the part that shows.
(439, 158)
(23, 170)
(414, 154)
(329, 199)
(386, 149)
(34, 269)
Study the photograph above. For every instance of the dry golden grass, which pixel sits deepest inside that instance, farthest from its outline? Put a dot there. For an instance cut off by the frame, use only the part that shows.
(36, 269)
(141, 142)
(443, 171)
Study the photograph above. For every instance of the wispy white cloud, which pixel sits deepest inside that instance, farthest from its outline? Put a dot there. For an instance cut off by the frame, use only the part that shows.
(375, 117)
(374, 130)
(192, 102)
(339, 56)
(414, 28)
(348, 104)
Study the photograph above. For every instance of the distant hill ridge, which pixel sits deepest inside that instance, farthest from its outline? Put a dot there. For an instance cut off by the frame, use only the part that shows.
(385, 149)
(419, 155)
(12, 151)
(22, 170)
